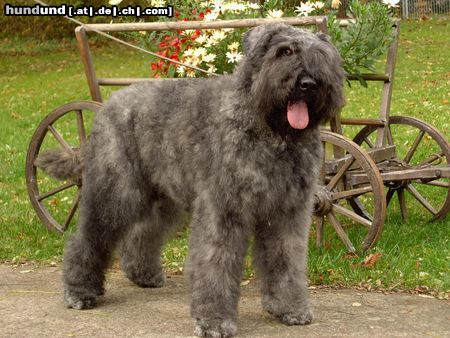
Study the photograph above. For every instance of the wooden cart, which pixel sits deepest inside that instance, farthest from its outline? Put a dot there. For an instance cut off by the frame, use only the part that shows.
(355, 174)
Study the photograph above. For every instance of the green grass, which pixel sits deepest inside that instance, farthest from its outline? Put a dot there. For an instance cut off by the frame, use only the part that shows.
(37, 77)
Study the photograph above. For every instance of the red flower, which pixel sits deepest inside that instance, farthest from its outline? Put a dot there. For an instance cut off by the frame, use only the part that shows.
(175, 42)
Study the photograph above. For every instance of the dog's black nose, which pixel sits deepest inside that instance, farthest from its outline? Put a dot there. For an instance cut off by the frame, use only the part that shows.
(306, 83)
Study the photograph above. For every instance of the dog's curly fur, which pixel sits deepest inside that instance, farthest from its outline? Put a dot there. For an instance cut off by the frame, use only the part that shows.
(222, 148)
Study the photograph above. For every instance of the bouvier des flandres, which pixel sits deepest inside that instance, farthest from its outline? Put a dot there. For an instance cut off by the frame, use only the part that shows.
(241, 152)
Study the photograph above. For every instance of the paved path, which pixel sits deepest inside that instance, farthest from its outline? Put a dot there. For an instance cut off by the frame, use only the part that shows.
(31, 306)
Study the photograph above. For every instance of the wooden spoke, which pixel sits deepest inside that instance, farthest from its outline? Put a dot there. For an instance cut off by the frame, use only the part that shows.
(60, 139)
(340, 173)
(322, 170)
(359, 208)
(319, 231)
(368, 142)
(413, 191)
(431, 159)
(413, 149)
(402, 202)
(435, 183)
(55, 191)
(434, 156)
(72, 210)
(389, 195)
(351, 193)
(80, 127)
(340, 232)
(350, 214)
(390, 138)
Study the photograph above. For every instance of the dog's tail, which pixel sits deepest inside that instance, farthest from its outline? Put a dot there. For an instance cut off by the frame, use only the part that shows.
(61, 163)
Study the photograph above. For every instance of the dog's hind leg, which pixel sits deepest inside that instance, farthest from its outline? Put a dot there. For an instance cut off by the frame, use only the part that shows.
(113, 198)
(140, 249)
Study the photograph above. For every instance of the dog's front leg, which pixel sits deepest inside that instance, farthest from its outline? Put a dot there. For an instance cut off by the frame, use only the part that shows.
(280, 256)
(218, 245)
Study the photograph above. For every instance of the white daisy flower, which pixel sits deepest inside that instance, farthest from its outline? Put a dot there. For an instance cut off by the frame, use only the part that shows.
(208, 58)
(218, 35)
(319, 5)
(253, 5)
(201, 39)
(211, 68)
(188, 52)
(181, 70)
(211, 16)
(192, 61)
(234, 7)
(274, 13)
(391, 3)
(234, 57)
(200, 52)
(217, 6)
(190, 72)
(304, 9)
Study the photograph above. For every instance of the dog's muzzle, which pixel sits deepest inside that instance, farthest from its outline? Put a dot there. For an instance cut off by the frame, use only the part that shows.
(306, 83)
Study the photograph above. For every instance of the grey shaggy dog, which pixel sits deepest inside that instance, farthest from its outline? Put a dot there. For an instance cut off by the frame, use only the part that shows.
(241, 152)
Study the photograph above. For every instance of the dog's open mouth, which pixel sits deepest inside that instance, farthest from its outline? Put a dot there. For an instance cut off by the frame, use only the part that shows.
(297, 114)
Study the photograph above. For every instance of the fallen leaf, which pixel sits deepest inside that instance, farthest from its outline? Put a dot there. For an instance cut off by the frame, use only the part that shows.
(356, 304)
(25, 271)
(245, 282)
(425, 296)
(371, 260)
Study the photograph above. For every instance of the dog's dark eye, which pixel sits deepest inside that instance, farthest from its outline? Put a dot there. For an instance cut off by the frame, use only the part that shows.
(285, 51)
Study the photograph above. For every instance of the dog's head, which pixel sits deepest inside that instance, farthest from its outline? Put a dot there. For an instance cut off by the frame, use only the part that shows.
(294, 77)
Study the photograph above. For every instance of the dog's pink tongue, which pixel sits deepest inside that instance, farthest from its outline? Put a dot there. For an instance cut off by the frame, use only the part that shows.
(297, 114)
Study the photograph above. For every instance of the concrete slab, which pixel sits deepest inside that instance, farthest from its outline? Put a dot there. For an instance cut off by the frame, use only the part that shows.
(31, 306)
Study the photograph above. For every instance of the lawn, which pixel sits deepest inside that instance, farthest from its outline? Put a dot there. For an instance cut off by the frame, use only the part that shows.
(36, 77)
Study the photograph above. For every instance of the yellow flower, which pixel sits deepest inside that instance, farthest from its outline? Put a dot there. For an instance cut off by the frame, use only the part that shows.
(233, 46)
(335, 4)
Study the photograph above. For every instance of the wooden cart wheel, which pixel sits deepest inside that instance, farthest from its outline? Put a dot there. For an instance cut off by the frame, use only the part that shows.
(421, 146)
(56, 202)
(343, 160)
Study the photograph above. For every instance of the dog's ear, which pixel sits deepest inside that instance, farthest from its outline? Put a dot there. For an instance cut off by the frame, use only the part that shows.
(323, 37)
(251, 38)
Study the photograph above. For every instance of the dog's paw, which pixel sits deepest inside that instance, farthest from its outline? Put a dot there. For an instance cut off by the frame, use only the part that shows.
(215, 328)
(79, 301)
(146, 280)
(297, 318)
